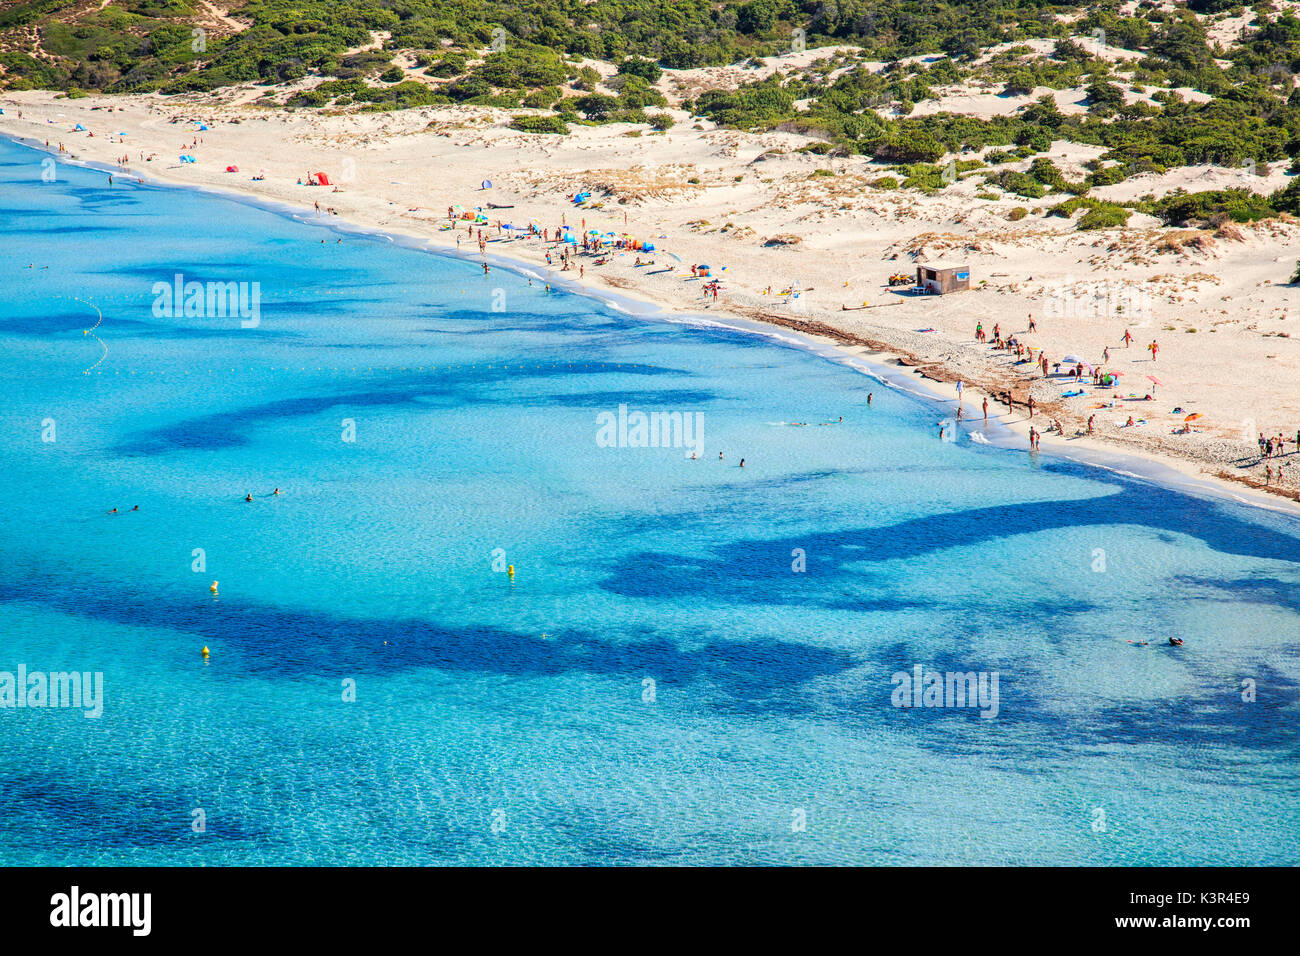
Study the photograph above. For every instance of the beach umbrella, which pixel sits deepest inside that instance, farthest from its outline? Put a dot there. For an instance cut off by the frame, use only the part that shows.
(1192, 417)
(1155, 380)
(674, 255)
(1072, 360)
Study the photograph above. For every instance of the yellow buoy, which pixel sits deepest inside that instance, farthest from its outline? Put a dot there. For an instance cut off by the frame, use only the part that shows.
(213, 587)
(511, 570)
(205, 651)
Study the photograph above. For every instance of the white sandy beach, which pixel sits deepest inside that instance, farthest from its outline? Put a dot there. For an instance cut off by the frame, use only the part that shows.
(763, 215)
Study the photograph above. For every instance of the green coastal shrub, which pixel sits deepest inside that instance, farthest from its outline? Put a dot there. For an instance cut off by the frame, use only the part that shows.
(539, 124)
(1240, 205)
(1021, 184)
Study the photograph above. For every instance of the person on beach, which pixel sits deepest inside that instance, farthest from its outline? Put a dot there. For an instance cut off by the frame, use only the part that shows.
(1030, 403)
(1128, 338)
(1091, 419)
(1153, 348)
(986, 408)
(1033, 326)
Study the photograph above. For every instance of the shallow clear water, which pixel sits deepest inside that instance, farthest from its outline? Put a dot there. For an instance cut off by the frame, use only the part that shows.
(503, 720)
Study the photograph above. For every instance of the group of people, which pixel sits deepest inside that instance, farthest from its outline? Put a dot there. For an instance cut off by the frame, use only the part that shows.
(1275, 447)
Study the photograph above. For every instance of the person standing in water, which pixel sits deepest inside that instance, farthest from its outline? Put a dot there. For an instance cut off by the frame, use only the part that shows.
(986, 408)
(869, 405)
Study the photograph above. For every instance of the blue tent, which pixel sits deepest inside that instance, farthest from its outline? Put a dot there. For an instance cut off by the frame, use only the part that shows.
(487, 184)
(78, 127)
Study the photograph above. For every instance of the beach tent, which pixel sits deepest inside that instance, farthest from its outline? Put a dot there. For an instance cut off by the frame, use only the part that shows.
(323, 179)
(201, 127)
(486, 184)
(232, 169)
(79, 127)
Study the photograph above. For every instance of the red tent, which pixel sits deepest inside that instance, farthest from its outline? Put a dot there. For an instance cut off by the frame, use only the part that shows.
(323, 179)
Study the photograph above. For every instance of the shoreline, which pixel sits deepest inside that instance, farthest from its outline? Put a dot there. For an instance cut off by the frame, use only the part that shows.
(888, 362)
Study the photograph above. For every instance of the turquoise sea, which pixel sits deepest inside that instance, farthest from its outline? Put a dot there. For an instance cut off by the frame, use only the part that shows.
(656, 683)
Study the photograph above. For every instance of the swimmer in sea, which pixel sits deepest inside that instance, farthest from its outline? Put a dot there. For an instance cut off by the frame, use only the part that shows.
(868, 399)
(1175, 642)
(276, 492)
(248, 497)
(742, 463)
(719, 456)
(113, 512)
(136, 508)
